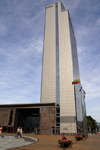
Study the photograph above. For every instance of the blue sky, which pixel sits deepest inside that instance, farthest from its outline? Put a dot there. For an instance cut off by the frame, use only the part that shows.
(21, 49)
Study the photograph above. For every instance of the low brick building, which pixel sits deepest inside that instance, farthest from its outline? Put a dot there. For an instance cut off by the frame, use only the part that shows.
(39, 118)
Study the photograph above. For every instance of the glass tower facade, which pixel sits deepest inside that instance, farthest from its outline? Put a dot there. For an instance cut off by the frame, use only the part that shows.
(57, 73)
(79, 97)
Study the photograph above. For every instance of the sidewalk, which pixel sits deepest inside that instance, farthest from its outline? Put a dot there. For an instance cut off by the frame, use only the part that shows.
(50, 142)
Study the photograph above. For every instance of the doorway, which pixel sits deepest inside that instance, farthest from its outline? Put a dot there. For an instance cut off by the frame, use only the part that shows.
(55, 131)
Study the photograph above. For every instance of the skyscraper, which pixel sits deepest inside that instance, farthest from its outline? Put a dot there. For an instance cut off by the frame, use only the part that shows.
(60, 68)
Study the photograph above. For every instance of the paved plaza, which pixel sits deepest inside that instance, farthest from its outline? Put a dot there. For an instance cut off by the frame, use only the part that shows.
(48, 142)
(9, 141)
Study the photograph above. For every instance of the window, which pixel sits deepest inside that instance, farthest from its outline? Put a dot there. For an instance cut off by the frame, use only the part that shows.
(57, 58)
(10, 117)
(57, 110)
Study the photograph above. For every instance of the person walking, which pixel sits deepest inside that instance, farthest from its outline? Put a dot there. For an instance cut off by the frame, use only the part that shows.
(21, 132)
(18, 131)
(0, 130)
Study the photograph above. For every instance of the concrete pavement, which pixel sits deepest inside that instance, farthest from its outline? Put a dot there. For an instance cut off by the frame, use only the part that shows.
(9, 141)
(50, 142)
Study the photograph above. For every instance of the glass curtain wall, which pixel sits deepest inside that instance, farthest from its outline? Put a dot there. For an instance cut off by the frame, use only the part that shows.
(57, 75)
(28, 119)
(76, 76)
(84, 114)
(80, 103)
(62, 7)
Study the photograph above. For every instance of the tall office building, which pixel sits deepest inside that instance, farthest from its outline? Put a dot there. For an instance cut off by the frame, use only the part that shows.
(62, 108)
(60, 68)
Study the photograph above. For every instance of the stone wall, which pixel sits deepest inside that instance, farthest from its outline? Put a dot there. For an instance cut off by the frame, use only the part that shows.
(47, 120)
(4, 116)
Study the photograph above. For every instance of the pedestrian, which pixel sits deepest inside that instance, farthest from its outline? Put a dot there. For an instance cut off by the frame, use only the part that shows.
(18, 131)
(0, 130)
(21, 132)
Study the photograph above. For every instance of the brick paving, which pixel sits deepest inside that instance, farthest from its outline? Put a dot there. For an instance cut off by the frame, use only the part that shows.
(50, 142)
(92, 143)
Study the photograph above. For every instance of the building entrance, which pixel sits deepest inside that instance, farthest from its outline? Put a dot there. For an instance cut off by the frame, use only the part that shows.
(55, 131)
(28, 119)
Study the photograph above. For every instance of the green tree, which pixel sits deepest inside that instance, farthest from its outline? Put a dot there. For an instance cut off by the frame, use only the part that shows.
(91, 123)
